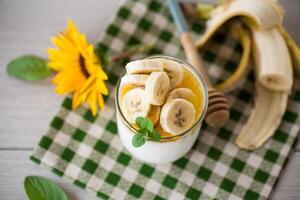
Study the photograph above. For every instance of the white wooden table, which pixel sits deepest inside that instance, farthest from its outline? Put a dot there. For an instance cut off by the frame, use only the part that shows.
(27, 108)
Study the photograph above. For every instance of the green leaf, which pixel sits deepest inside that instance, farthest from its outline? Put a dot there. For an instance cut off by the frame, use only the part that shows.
(139, 139)
(144, 123)
(154, 135)
(103, 58)
(29, 68)
(38, 188)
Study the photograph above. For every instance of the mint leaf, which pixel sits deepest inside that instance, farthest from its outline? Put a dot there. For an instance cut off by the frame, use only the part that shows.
(154, 135)
(144, 123)
(102, 56)
(29, 68)
(38, 188)
(139, 139)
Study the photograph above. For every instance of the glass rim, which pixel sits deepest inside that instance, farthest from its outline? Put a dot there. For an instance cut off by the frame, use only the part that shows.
(205, 95)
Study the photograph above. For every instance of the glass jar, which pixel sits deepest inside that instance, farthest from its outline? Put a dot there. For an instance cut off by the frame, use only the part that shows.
(168, 149)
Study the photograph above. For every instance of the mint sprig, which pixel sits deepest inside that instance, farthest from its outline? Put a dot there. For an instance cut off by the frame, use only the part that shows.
(39, 188)
(30, 68)
(146, 130)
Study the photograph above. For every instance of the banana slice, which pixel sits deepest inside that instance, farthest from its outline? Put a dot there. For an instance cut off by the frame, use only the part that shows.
(182, 93)
(154, 114)
(157, 87)
(133, 80)
(135, 104)
(175, 72)
(145, 66)
(177, 116)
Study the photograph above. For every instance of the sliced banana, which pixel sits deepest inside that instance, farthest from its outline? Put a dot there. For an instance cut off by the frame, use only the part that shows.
(145, 66)
(134, 80)
(135, 104)
(177, 116)
(175, 72)
(157, 87)
(182, 93)
(154, 114)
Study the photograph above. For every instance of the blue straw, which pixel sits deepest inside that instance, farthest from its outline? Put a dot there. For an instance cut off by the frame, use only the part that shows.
(177, 16)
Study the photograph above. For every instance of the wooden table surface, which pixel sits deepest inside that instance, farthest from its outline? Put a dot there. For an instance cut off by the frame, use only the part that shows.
(27, 108)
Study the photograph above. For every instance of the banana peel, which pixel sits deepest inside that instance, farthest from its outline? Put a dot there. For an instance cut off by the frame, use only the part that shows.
(293, 49)
(244, 37)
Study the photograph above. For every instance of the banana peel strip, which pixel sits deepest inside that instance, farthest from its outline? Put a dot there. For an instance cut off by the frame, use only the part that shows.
(244, 37)
(293, 49)
(264, 118)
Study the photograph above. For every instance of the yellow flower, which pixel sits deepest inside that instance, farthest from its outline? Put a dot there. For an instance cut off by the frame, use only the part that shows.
(78, 70)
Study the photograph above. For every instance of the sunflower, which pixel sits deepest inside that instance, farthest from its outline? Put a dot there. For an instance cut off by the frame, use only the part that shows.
(78, 69)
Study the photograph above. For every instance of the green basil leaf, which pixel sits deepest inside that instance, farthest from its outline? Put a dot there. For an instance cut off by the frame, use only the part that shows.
(38, 188)
(154, 135)
(139, 140)
(144, 123)
(29, 68)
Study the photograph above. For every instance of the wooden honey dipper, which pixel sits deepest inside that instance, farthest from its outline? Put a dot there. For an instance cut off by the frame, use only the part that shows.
(217, 113)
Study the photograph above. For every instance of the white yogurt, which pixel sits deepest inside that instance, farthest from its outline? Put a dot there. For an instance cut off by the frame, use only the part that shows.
(166, 150)
(157, 152)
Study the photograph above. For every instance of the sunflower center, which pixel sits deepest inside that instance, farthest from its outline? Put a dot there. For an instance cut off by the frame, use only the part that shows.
(83, 66)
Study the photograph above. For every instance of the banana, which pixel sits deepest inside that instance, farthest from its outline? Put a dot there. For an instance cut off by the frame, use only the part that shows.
(264, 118)
(177, 116)
(261, 14)
(133, 80)
(157, 87)
(272, 60)
(135, 104)
(145, 66)
(175, 72)
(173, 69)
(273, 51)
(182, 93)
(154, 114)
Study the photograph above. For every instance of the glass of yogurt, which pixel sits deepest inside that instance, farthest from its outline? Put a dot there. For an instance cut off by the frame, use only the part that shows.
(170, 93)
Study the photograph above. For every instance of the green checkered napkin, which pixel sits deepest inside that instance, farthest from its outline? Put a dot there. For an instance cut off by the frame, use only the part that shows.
(88, 151)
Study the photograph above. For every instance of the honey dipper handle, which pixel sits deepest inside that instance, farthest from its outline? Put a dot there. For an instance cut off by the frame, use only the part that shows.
(193, 56)
(217, 113)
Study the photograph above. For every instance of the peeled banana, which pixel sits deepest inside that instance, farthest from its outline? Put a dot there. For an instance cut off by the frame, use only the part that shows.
(272, 59)
(264, 118)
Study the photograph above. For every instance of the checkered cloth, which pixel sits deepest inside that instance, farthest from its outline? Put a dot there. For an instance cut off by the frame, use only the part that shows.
(87, 150)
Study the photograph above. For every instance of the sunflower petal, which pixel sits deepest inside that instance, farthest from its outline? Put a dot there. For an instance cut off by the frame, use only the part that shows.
(92, 100)
(100, 101)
